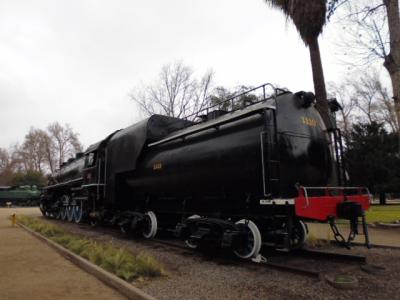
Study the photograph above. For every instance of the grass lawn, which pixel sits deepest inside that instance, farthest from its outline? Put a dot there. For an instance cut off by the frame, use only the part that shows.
(383, 213)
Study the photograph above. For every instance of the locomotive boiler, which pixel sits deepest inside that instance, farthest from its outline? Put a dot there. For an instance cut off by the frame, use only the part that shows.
(242, 175)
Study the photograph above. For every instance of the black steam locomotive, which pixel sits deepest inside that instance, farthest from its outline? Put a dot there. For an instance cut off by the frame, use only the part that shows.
(243, 175)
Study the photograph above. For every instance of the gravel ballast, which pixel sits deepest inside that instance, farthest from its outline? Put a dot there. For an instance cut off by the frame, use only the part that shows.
(195, 276)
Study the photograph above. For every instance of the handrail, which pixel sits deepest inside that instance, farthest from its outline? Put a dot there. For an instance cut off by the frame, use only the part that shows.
(63, 183)
(231, 100)
(334, 187)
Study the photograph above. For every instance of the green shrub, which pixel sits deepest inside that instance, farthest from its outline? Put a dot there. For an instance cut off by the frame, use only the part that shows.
(116, 260)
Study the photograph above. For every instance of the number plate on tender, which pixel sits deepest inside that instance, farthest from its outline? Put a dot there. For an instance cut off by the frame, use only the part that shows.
(265, 202)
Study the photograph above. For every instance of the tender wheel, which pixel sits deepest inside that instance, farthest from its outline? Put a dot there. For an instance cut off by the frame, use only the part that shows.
(299, 235)
(78, 212)
(190, 243)
(252, 246)
(150, 225)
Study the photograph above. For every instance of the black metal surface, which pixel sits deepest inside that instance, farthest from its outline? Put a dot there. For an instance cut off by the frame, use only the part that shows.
(221, 164)
(215, 169)
(220, 168)
(69, 171)
(126, 146)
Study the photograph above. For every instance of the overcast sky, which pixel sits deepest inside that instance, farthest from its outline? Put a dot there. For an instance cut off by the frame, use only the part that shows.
(76, 61)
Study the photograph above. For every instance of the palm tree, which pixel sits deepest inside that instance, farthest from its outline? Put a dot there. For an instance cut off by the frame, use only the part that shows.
(309, 17)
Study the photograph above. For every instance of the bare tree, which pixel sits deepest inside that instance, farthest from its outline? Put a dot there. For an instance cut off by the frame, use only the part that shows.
(176, 93)
(343, 94)
(364, 98)
(49, 151)
(41, 151)
(5, 168)
(10, 162)
(364, 36)
(4, 159)
(375, 28)
(387, 108)
(65, 142)
(32, 151)
(373, 101)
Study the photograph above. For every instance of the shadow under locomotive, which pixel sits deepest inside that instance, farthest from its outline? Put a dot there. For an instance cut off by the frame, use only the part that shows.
(241, 176)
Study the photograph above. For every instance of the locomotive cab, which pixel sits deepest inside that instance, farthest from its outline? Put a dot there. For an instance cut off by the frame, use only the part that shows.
(90, 171)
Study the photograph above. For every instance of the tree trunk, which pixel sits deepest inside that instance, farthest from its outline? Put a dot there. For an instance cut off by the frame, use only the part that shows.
(392, 60)
(319, 82)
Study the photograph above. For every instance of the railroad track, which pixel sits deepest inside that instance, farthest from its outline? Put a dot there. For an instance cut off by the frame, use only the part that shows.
(283, 266)
(271, 255)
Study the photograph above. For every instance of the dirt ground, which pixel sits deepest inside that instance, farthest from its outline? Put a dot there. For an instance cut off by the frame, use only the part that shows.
(29, 269)
(195, 276)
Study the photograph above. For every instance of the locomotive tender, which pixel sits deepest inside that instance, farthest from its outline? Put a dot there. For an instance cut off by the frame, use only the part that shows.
(244, 175)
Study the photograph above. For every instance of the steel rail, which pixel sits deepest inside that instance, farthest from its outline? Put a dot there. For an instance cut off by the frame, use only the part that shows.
(319, 254)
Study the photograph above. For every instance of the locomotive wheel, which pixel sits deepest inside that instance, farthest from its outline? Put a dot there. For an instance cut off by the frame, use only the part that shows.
(70, 213)
(78, 212)
(150, 225)
(253, 244)
(42, 209)
(57, 214)
(63, 213)
(190, 243)
(64, 204)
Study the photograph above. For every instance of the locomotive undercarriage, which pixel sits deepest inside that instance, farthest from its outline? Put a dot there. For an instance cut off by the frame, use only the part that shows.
(237, 232)
(69, 204)
(244, 236)
(244, 229)
(275, 225)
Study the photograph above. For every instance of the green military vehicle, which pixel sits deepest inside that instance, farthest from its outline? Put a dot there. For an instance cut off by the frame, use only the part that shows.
(25, 195)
